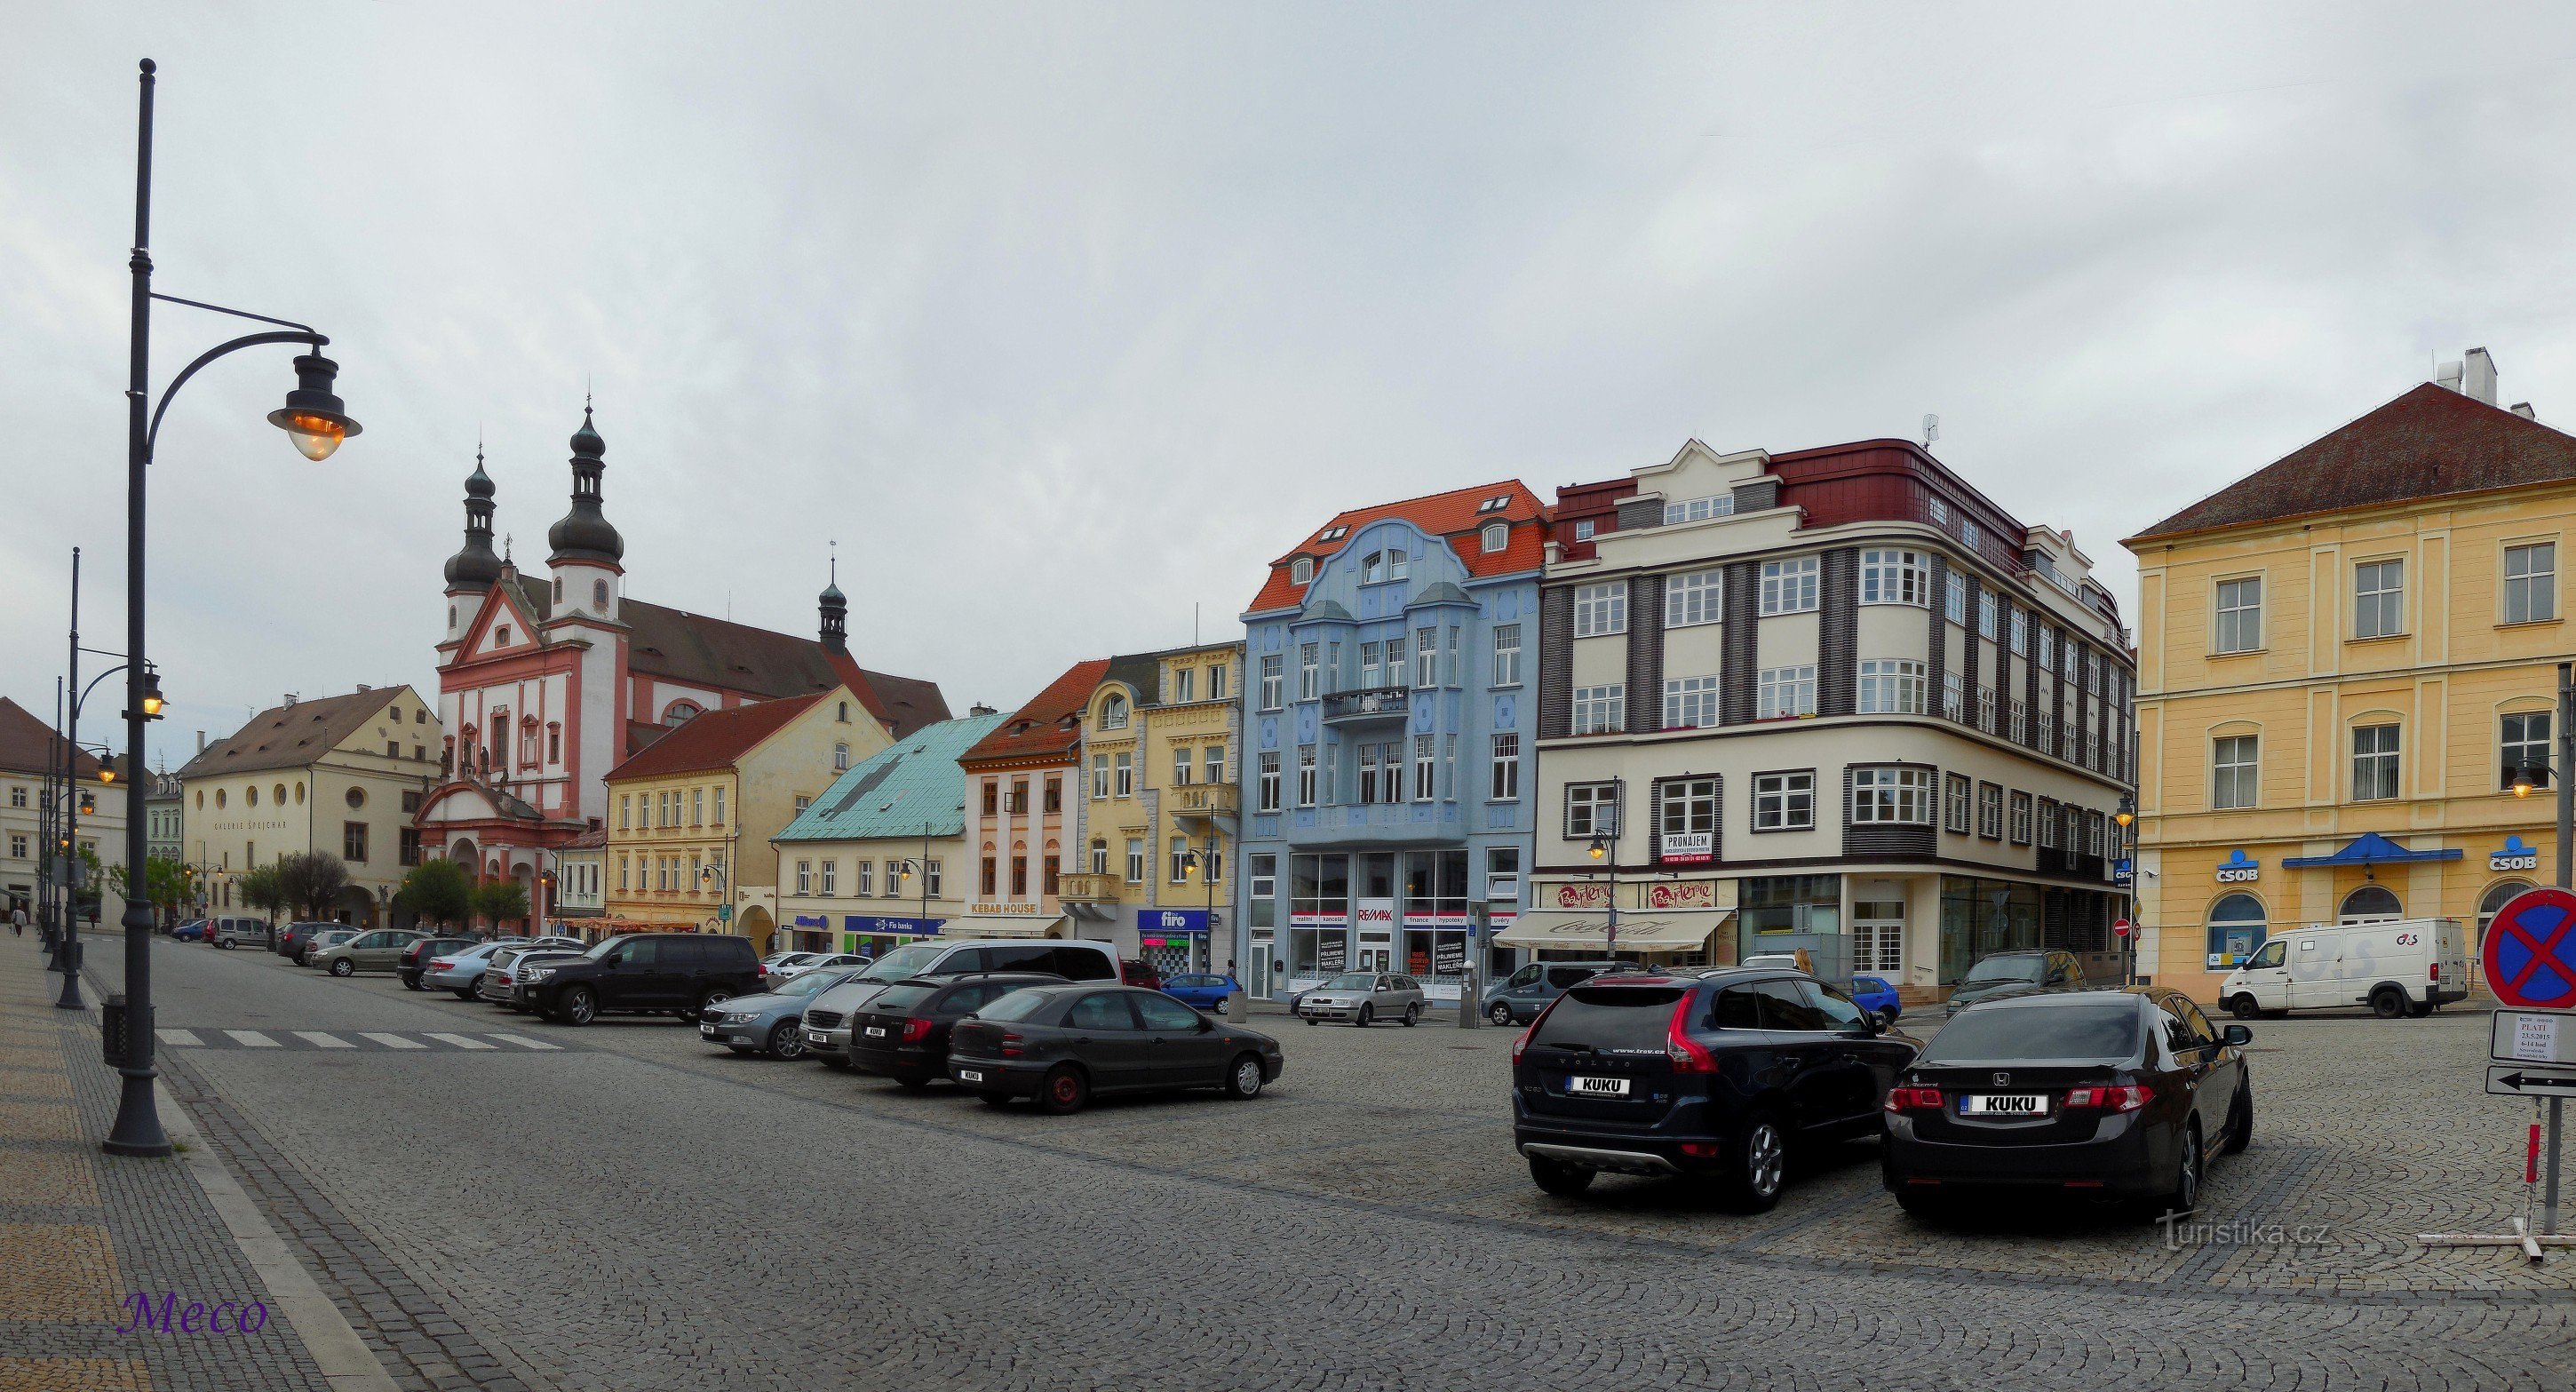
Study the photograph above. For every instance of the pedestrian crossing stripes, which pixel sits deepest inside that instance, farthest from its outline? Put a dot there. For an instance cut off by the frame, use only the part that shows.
(359, 1041)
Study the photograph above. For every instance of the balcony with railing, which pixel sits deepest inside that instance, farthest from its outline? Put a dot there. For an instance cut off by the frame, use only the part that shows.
(1083, 887)
(1368, 704)
(1203, 800)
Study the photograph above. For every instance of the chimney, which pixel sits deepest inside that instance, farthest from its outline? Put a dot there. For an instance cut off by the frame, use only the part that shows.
(2480, 380)
(290, 698)
(2523, 409)
(979, 708)
(2449, 376)
(201, 741)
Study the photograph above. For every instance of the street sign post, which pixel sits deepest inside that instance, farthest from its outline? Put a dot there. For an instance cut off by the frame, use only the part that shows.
(2531, 1080)
(2529, 956)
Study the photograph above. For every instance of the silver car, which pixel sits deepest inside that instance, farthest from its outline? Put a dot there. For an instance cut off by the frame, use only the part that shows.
(501, 975)
(772, 1022)
(464, 969)
(1363, 998)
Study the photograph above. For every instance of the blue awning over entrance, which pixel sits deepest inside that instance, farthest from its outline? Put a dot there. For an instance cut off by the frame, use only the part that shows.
(2369, 848)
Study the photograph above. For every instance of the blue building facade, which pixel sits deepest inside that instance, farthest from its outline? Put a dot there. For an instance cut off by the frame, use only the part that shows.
(1391, 671)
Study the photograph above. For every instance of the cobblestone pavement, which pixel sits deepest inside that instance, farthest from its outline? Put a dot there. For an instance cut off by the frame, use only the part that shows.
(645, 1211)
(81, 1232)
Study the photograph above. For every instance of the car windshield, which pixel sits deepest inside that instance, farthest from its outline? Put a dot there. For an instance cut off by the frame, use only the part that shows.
(1624, 1019)
(911, 959)
(1351, 981)
(1018, 1005)
(2058, 1032)
(812, 983)
(1995, 969)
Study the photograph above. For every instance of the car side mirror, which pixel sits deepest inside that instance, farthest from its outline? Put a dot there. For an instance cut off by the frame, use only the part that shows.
(2236, 1035)
(1206, 1025)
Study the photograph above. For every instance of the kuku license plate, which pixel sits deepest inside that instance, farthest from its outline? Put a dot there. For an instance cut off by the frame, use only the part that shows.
(969, 1075)
(876, 1031)
(1596, 1087)
(2015, 1104)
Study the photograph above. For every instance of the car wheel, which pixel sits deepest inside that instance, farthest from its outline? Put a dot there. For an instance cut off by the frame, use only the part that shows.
(2388, 1002)
(914, 1083)
(1412, 1013)
(580, 1006)
(225, 945)
(2245, 1008)
(2240, 1120)
(344, 967)
(412, 983)
(1758, 1169)
(787, 1040)
(1888, 1016)
(1563, 1180)
(464, 993)
(1243, 1078)
(995, 1099)
(1501, 1014)
(1311, 1020)
(833, 1060)
(1361, 1020)
(2419, 1010)
(2185, 1194)
(707, 1002)
(1063, 1091)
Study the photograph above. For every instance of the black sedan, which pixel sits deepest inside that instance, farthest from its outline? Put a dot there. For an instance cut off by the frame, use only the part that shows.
(1716, 1074)
(1063, 1045)
(903, 1032)
(2107, 1094)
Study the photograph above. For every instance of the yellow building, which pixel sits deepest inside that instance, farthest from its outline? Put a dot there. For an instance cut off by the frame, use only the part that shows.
(1161, 740)
(2343, 659)
(683, 810)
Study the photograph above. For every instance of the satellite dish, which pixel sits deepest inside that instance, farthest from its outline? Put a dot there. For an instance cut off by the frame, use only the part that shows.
(1931, 430)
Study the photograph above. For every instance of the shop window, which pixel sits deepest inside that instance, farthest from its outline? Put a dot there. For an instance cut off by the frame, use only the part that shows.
(2372, 903)
(2236, 929)
(2496, 897)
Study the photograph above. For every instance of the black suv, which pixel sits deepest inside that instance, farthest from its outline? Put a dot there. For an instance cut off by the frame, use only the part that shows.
(643, 973)
(1709, 1075)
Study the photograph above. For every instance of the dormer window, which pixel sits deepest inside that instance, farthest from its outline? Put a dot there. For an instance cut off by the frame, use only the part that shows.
(1332, 534)
(1495, 537)
(1373, 568)
(1301, 571)
(1113, 712)
(680, 712)
(1494, 504)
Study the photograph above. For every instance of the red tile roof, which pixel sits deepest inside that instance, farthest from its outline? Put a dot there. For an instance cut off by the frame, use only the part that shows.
(27, 744)
(713, 740)
(2431, 442)
(1450, 515)
(1040, 724)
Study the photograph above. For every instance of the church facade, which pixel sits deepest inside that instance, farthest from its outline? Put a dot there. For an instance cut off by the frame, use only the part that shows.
(546, 682)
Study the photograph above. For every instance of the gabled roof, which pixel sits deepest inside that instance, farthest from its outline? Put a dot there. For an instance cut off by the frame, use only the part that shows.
(912, 789)
(695, 650)
(1453, 516)
(714, 740)
(27, 744)
(291, 736)
(2431, 442)
(1040, 727)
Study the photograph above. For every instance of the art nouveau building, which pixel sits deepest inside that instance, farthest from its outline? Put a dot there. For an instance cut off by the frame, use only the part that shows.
(879, 859)
(1019, 822)
(1835, 700)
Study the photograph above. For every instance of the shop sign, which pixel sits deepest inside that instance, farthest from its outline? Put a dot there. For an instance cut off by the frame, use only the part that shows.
(2514, 856)
(1435, 920)
(1376, 916)
(1316, 920)
(1449, 956)
(987, 906)
(1582, 896)
(2237, 869)
(878, 923)
(1689, 847)
(1682, 894)
(1333, 955)
(1172, 920)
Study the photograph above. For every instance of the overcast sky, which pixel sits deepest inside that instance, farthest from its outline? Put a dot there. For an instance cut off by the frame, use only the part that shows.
(1064, 319)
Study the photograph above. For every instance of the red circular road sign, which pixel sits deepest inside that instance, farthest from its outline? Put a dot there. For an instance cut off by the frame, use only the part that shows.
(2530, 951)
(2121, 927)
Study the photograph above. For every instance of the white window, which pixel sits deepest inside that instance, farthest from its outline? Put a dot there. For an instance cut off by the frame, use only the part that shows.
(1269, 790)
(1954, 803)
(1583, 530)
(1183, 770)
(2531, 582)
(1507, 654)
(1986, 615)
(1939, 511)
(1600, 609)
(804, 876)
(832, 878)
(2239, 626)
(1954, 597)
(1300, 571)
(1099, 776)
(1789, 587)
(1692, 599)
(1214, 767)
(802, 804)
(1397, 567)
(2047, 731)
(1426, 657)
(1306, 671)
(1180, 860)
(1600, 709)
(1972, 534)
(2378, 599)
(1699, 509)
(1305, 775)
(1272, 680)
(1784, 801)
(1373, 568)
(1216, 681)
(2232, 772)
(2020, 633)
(2522, 743)
(1885, 794)
(1135, 860)
(1784, 691)
(1591, 809)
(1426, 754)
(1503, 874)
(1368, 773)
(1184, 685)
(1891, 686)
(2047, 648)
(1506, 784)
(1493, 537)
(1113, 712)
(2374, 762)
(1690, 703)
(1125, 766)
(1986, 709)
(1990, 811)
(1953, 696)
(2020, 723)
(840, 758)
(1894, 577)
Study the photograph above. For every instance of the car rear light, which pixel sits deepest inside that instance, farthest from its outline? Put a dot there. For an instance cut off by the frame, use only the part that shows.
(2432, 971)
(1686, 1056)
(2118, 1097)
(915, 1030)
(1012, 1045)
(440, 964)
(1914, 1099)
(1700, 1150)
(1535, 1021)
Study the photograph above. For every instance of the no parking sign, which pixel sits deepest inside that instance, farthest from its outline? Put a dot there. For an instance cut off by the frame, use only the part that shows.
(2530, 951)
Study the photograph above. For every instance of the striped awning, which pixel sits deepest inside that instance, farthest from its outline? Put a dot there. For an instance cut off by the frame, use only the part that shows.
(1662, 930)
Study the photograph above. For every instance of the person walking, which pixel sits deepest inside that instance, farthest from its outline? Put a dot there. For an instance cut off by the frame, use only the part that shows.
(17, 919)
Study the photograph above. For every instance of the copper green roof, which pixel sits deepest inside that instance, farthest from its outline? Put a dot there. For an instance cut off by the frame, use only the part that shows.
(912, 789)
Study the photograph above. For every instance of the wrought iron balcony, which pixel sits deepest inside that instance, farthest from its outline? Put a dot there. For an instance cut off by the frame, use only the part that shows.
(1369, 703)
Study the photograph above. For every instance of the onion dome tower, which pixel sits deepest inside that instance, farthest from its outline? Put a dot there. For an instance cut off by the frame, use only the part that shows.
(472, 569)
(587, 551)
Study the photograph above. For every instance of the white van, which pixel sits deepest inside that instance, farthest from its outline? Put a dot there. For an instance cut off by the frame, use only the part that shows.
(2403, 966)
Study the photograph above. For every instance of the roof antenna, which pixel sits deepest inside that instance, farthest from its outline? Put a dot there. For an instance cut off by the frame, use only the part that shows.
(1931, 430)
(505, 548)
(835, 548)
(1194, 623)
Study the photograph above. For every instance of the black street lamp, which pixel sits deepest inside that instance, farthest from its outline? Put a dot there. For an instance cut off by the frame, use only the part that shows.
(1203, 863)
(314, 418)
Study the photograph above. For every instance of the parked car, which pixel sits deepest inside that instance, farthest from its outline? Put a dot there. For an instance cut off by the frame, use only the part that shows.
(230, 933)
(2003, 973)
(781, 965)
(501, 976)
(1517, 999)
(194, 930)
(1877, 995)
(2114, 1094)
(320, 939)
(1064, 1045)
(903, 1033)
(684, 974)
(292, 938)
(2408, 966)
(1140, 973)
(769, 1022)
(1363, 998)
(1205, 990)
(462, 972)
(820, 961)
(1795, 959)
(413, 965)
(378, 949)
(1720, 1074)
(827, 1020)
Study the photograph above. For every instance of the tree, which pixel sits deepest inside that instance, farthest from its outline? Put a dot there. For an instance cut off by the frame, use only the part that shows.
(313, 881)
(264, 887)
(436, 891)
(497, 900)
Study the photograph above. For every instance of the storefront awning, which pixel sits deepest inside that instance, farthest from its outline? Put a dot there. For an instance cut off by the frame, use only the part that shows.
(2369, 848)
(1003, 926)
(1663, 930)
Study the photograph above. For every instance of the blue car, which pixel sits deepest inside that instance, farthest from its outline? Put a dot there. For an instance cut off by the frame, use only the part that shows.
(194, 930)
(1206, 990)
(1873, 994)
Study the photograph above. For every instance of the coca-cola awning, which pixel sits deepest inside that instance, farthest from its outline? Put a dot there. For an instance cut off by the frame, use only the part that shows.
(1657, 930)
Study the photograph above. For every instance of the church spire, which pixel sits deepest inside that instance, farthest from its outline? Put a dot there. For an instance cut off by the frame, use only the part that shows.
(835, 608)
(585, 533)
(475, 567)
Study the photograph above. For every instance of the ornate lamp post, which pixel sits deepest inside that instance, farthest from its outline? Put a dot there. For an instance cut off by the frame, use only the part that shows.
(314, 419)
(1203, 864)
